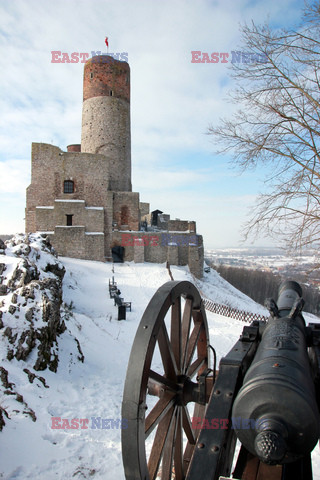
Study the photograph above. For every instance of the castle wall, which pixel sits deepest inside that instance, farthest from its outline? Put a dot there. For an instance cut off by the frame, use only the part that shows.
(106, 116)
(44, 219)
(144, 210)
(196, 260)
(51, 166)
(157, 247)
(126, 212)
(75, 242)
(90, 174)
(106, 76)
(41, 191)
(106, 130)
(181, 226)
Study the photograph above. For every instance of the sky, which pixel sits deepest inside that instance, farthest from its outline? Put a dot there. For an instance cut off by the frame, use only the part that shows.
(174, 101)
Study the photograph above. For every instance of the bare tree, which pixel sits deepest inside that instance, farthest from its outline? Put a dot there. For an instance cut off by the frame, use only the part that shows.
(278, 125)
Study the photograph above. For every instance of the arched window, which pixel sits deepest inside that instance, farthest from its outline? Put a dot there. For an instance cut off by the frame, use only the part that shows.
(68, 186)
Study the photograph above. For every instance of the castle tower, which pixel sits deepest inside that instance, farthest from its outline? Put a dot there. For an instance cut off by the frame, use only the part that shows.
(106, 117)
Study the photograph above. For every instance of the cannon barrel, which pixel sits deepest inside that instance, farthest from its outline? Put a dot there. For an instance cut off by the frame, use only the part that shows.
(276, 402)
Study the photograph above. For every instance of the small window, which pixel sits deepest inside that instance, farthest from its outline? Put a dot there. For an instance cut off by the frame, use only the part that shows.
(69, 220)
(111, 93)
(91, 75)
(68, 186)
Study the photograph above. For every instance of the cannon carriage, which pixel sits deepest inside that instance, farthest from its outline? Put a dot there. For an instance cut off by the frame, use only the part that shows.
(184, 416)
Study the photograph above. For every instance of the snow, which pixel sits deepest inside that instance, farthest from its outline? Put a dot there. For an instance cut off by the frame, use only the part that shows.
(93, 389)
(69, 200)
(94, 233)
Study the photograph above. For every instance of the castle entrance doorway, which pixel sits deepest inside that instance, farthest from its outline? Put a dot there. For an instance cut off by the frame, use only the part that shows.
(117, 254)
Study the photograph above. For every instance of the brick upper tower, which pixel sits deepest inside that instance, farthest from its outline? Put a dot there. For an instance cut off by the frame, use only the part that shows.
(106, 117)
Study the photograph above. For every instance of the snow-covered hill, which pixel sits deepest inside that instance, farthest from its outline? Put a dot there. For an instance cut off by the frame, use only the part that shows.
(93, 353)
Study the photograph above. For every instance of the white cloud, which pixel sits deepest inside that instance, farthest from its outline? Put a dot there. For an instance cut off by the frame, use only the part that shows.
(15, 176)
(172, 100)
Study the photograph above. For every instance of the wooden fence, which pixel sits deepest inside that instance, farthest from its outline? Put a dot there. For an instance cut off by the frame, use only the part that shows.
(232, 312)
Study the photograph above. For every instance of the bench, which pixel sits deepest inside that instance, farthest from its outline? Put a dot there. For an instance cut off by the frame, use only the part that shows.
(114, 293)
(120, 302)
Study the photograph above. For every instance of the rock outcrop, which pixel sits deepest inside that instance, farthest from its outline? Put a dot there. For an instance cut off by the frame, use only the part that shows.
(31, 297)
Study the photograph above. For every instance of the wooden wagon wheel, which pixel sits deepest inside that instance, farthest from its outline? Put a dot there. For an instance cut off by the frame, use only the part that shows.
(162, 389)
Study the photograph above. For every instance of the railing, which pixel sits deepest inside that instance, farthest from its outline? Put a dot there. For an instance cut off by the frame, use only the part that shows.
(226, 311)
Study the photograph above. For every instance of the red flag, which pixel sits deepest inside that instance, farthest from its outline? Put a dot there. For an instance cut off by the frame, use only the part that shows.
(106, 42)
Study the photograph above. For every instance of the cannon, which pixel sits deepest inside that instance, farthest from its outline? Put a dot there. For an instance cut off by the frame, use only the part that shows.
(255, 417)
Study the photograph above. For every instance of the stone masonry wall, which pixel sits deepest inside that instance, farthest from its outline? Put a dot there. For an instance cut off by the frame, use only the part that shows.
(76, 243)
(106, 116)
(126, 211)
(157, 249)
(41, 191)
(106, 130)
(196, 260)
(144, 209)
(104, 74)
(44, 219)
(50, 168)
(181, 226)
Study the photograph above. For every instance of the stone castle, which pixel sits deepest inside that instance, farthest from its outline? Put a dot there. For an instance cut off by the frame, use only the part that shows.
(83, 198)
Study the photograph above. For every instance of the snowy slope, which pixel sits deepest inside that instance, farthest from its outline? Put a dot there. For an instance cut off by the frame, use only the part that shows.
(93, 388)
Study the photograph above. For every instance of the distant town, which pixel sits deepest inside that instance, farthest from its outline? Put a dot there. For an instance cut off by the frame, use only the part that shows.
(305, 268)
(258, 272)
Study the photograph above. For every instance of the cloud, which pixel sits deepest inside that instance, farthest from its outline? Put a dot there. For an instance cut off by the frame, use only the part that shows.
(15, 176)
(172, 100)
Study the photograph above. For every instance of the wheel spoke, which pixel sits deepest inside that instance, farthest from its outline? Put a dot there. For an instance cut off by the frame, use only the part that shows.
(159, 443)
(192, 344)
(168, 360)
(176, 331)
(186, 323)
(158, 412)
(187, 427)
(163, 381)
(198, 412)
(195, 366)
(167, 461)
(178, 447)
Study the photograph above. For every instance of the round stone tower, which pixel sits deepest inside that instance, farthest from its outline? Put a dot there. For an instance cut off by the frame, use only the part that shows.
(106, 117)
